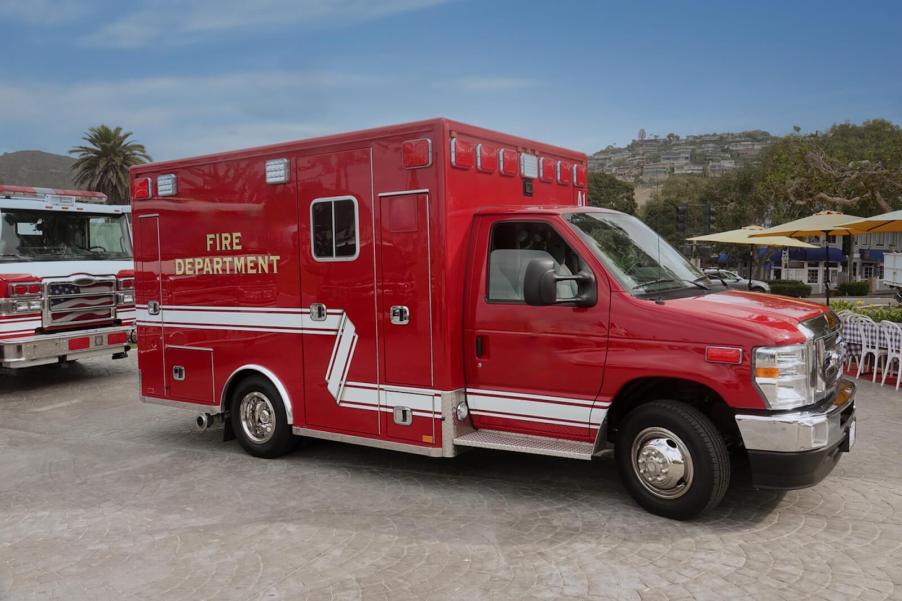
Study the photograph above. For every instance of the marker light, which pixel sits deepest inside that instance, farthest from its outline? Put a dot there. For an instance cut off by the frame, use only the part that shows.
(563, 172)
(579, 176)
(277, 171)
(486, 158)
(462, 154)
(529, 165)
(166, 185)
(507, 162)
(546, 169)
(723, 354)
(142, 189)
(416, 153)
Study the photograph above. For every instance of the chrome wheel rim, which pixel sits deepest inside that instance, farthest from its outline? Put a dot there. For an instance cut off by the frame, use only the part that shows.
(662, 463)
(258, 419)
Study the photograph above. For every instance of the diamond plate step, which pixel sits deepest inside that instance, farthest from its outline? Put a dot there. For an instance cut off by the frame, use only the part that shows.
(525, 443)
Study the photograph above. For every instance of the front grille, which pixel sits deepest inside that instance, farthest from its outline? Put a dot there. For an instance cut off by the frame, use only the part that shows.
(79, 301)
(827, 349)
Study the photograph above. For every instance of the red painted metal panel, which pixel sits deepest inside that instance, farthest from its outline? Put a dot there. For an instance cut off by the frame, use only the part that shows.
(197, 373)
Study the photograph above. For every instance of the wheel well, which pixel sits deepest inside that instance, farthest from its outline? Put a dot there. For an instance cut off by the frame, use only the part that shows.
(645, 390)
(247, 371)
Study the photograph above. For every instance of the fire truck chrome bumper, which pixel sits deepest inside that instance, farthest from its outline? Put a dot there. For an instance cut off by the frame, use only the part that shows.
(51, 348)
(794, 450)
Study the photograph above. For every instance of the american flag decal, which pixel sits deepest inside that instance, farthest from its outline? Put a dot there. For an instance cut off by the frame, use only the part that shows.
(71, 303)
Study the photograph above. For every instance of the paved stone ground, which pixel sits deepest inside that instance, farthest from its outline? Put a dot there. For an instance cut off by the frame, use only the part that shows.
(102, 498)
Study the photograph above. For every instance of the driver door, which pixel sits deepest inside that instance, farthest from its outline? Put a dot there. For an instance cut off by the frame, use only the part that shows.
(531, 369)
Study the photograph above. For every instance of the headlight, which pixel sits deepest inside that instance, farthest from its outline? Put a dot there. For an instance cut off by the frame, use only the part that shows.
(783, 375)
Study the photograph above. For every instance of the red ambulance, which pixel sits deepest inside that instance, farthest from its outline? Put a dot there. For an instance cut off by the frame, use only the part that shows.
(435, 286)
(66, 279)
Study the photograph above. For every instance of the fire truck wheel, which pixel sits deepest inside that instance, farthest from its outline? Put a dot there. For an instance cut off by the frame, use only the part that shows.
(672, 459)
(258, 419)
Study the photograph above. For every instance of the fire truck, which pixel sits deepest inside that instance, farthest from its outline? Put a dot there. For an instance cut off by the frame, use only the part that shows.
(66, 277)
(433, 287)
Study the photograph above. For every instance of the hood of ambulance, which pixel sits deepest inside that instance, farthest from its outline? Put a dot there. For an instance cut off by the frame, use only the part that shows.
(722, 318)
(56, 269)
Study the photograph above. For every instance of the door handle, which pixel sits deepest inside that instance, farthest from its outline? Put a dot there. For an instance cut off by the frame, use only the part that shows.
(399, 315)
(480, 347)
(318, 312)
(153, 307)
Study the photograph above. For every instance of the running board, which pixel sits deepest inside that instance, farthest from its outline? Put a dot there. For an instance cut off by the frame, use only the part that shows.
(526, 443)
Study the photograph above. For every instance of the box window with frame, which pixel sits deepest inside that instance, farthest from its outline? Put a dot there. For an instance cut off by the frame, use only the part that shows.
(334, 229)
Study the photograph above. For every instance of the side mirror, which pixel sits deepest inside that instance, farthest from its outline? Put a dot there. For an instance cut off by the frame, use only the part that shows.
(540, 285)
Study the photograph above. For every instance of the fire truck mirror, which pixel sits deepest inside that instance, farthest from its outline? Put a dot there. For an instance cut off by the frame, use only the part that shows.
(540, 285)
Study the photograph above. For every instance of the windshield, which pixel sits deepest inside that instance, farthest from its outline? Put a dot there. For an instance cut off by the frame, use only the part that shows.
(57, 236)
(640, 259)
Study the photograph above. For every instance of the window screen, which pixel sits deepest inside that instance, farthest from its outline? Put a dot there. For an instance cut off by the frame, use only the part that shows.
(514, 245)
(334, 229)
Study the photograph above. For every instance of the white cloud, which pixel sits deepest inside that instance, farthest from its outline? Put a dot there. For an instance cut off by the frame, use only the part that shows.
(41, 12)
(179, 116)
(186, 21)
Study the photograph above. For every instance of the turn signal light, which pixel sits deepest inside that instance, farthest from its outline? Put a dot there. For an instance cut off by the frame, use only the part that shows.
(24, 289)
(767, 372)
(416, 153)
(723, 354)
(463, 154)
(141, 188)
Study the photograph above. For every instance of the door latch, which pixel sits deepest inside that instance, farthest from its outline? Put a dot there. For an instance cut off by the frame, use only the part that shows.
(318, 312)
(403, 416)
(399, 315)
(153, 307)
(178, 373)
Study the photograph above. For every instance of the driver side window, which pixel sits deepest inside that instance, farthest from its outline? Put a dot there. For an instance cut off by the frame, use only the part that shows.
(513, 245)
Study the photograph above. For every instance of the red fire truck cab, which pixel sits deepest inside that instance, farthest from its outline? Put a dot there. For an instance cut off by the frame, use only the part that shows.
(434, 286)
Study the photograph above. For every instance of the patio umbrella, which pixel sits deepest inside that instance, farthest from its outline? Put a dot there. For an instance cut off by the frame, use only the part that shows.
(887, 222)
(745, 237)
(826, 223)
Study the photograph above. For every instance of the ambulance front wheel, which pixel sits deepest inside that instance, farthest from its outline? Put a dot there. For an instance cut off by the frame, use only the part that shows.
(259, 420)
(672, 459)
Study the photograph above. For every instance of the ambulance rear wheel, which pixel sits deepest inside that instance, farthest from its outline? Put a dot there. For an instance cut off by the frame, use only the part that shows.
(672, 459)
(259, 421)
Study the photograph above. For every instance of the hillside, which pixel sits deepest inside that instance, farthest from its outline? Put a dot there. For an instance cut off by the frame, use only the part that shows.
(36, 168)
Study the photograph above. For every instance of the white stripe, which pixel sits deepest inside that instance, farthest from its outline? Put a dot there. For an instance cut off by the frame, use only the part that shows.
(540, 420)
(478, 402)
(233, 329)
(523, 395)
(142, 315)
(20, 326)
(237, 319)
(240, 309)
(347, 334)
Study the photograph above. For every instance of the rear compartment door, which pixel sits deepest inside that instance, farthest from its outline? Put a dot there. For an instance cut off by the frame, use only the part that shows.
(149, 301)
(405, 317)
(338, 291)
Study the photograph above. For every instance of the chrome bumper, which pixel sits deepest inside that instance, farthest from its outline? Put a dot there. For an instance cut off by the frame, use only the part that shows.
(51, 348)
(801, 431)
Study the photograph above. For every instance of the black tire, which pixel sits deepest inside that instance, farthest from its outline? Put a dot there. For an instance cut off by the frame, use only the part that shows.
(273, 443)
(710, 460)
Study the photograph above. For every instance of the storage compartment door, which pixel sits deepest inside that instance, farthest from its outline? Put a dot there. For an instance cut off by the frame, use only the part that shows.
(190, 374)
(148, 299)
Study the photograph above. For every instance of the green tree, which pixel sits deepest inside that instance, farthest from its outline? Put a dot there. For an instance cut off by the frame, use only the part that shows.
(611, 193)
(102, 165)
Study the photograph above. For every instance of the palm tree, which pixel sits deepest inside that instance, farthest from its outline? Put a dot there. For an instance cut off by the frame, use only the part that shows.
(102, 165)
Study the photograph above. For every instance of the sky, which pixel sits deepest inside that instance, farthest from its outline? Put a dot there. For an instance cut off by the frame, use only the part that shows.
(197, 76)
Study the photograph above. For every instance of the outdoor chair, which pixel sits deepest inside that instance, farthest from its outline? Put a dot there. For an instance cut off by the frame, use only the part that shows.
(892, 337)
(870, 345)
(852, 336)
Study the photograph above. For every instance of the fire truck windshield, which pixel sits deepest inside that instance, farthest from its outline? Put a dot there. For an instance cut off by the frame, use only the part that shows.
(635, 254)
(62, 236)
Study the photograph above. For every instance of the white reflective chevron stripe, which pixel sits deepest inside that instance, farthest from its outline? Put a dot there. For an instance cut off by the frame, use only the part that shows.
(513, 407)
(342, 353)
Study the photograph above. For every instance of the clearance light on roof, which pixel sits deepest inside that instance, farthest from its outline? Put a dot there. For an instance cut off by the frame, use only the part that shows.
(529, 165)
(563, 172)
(486, 158)
(166, 185)
(463, 155)
(579, 176)
(142, 189)
(416, 153)
(507, 162)
(546, 169)
(277, 171)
